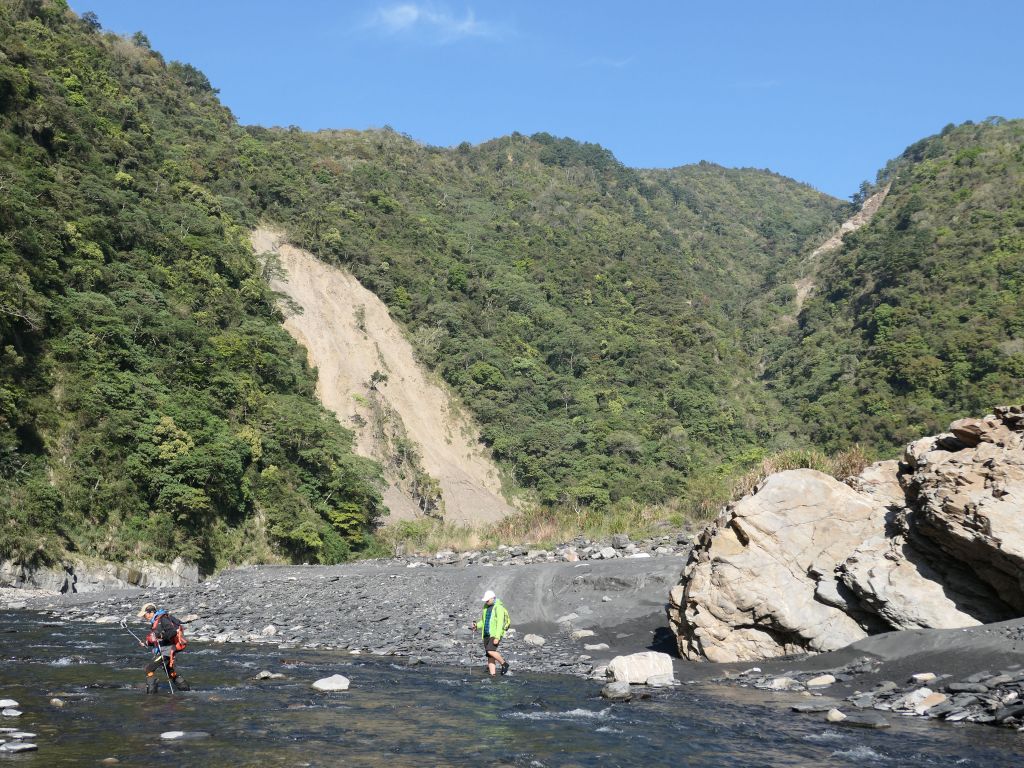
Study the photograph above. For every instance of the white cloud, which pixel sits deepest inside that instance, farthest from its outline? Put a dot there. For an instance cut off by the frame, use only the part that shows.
(427, 20)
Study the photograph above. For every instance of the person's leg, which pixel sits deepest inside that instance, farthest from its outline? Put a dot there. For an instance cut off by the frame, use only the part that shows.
(176, 680)
(494, 655)
(488, 646)
(152, 683)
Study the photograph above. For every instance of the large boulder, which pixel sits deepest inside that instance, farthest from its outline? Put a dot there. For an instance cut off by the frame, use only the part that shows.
(892, 579)
(970, 501)
(749, 587)
(809, 564)
(638, 668)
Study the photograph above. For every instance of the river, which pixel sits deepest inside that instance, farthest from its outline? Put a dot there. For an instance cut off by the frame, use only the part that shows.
(397, 715)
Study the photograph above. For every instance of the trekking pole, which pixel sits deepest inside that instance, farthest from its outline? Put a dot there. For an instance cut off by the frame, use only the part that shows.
(156, 654)
(124, 626)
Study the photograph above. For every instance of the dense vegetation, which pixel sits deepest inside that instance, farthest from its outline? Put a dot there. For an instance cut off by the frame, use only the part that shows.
(150, 401)
(624, 338)
(919, 319)
(603, 324)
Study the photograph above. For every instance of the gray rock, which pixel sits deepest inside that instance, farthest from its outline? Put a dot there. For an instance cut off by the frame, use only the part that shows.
(620, 541)
(865, 720)
(967, 688)
(617, 691)
(18, 746)
(183, 735)
(814, 707)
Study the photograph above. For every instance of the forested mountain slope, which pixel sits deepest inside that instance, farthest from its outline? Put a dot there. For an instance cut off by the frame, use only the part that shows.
(623, 337)
(919, 318)
(603, 324)
(151, 404)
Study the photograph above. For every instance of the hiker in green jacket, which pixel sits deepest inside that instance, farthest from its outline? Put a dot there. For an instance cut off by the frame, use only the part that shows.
(492, 625)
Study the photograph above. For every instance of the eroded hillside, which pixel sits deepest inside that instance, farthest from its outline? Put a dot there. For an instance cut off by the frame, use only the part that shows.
(369, 377)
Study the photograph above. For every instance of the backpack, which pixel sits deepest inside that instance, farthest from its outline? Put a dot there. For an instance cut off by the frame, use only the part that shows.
(167, 635)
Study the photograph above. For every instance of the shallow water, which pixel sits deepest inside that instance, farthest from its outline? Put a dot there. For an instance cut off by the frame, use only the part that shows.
(396, 715)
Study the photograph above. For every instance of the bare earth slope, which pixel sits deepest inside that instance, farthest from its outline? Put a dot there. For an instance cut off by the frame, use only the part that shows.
(349, 336)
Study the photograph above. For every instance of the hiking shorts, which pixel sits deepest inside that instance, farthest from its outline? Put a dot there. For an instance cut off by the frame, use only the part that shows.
(489, 644)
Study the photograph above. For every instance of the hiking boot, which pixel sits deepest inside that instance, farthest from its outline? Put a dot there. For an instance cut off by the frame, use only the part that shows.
(504, 668)
(152, 686)
(181, 685)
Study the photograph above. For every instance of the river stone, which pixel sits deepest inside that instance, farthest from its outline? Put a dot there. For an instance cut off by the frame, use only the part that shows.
(661, 681)
(332, 683)
(782, 684)
(22, 735)
(607, 553)
(534, 640)
(269, 631)
(637, 668)
(620, 541)
(814, 707)
(923, 677)
(967, 688)
(617, 691)
(821, 681)
(18, 747)
(5, 703)
(57, 703)
(834, 716)
(11, 712)
(579, 634)
(183, 735)
(596, 647)
(108, 620)
(912, 699)
(932, 700)
(866, 720)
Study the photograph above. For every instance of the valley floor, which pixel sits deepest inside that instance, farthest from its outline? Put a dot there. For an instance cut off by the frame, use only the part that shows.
(586, 612)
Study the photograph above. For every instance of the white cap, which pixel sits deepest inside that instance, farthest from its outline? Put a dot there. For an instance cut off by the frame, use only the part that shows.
(488, 595)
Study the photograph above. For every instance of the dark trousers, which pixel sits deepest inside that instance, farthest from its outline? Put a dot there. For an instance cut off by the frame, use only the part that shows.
(158, 662)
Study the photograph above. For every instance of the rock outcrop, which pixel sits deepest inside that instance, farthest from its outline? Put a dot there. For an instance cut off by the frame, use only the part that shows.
(809, 564)
(81, 576)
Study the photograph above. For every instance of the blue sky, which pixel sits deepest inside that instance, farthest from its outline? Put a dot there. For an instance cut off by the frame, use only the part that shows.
(822, 91)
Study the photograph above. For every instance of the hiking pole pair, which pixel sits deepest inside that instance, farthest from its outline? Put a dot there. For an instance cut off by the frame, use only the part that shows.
(156, 653)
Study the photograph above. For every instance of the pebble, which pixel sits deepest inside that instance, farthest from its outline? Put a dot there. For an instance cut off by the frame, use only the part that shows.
(183, 735)
(6, 703)
(11, 713)
(835, 716)
(57, 703)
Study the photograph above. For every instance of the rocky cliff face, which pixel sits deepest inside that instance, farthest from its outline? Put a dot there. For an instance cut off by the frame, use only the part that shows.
(808, 564)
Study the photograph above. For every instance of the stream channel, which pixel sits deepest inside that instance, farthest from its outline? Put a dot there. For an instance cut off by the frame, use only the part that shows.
(399, 715)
